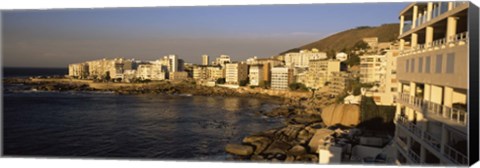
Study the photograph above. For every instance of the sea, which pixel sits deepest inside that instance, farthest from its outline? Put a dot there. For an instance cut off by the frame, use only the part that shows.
(89, 124)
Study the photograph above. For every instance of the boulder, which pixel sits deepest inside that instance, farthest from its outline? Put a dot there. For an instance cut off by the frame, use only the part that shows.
(304, 136)
(342, 114)
(297, 150)
(260, 143)
(308, 158)
(277, 147)
(320, 137)
(237, 149)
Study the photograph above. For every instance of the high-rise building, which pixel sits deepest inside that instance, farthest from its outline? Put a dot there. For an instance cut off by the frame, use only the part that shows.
(372, 68)
(320, 71)
(222, 60)
(205, 59)
(302, 58)
(431, 115)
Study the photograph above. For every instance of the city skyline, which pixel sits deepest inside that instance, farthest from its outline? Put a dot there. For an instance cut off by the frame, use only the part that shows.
(56, 38)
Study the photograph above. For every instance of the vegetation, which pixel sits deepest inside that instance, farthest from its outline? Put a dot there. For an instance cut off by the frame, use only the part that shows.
(220, 81)
(298, 87)
(265, 84)
(347, 39)
(243, 82)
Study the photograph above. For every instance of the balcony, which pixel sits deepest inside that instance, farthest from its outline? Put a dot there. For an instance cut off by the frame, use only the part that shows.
(455, 40)
(450, 153)
(455, 115)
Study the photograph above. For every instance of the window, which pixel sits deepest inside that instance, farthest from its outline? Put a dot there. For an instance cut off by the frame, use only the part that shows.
(420, 65)
(406, 65)
(450, 62)
(427, 64)
(412, 65)
(438, 64)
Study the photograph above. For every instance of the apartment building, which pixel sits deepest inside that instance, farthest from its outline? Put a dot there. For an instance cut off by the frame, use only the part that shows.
(338, 82)
(267, 63)
(255, 74)
(302, 58)
(432, 117)
(372, 68)
(178, 76)
(205, 59)
(281, 78)
(222, 60)
(79, 70)
(385, 92)
(150, 72)
(320, 71)
(200, 72)
(235, 73)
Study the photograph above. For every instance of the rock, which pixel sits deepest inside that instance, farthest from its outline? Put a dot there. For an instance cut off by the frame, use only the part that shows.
(308, 158)
(237, 149)
(290, 158)
(320, 137)
(297, 150)
(342, 114)
(280, 156)
(257, 158)
(306, 119)
(304, 136)
(289, 133)
(277, 147)
(260, 143)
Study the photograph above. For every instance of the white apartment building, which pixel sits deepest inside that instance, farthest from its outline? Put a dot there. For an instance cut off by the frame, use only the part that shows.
(150, 72)
(205, 59)
(302, 58)
(79, 70)
(200, 72)
(235, 72)
(222, 60)
(386, 92)
(255, 74)
(341, 56)
(432, 117)
(281, 78)
(320, 72)
(372, 68)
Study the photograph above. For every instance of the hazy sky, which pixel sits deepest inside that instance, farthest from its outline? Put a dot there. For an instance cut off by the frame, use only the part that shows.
(55, 38)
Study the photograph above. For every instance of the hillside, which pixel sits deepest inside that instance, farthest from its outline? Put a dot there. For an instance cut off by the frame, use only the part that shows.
(348, 38)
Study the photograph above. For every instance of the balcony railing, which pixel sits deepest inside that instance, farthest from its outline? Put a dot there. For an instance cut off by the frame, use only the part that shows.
(449, 152)
(454, 40)
(414, 156)
(453, 114)
(455, 155)
(437, 11)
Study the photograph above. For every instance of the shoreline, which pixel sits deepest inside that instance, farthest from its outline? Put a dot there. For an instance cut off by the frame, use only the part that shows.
(288, 143)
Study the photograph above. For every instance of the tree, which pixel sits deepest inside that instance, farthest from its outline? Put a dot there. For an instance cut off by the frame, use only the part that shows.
(297, 86)
(107, 76)
(361, 45)
(265, 84)
(220, 81)
(243, 82)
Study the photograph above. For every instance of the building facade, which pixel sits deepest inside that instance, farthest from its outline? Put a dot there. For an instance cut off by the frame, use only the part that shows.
(235, 73)
(320, 71)
(281, 78)
(431, 117)
(255, 74)
(372, 68)
(302, 58)
(205, 59)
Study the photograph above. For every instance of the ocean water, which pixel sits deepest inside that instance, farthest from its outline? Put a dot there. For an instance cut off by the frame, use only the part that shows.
(91, 124)
(28, 72)
(106, 125)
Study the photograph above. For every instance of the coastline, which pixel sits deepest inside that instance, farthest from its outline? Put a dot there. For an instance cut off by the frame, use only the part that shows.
(288, 143)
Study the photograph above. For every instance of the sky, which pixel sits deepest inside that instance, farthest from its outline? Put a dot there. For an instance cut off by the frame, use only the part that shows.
(56, 38)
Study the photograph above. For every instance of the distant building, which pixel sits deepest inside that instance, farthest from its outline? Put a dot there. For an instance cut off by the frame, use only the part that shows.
(267, 63)
(235, 73)
(372, 68)
(150, 72)
(339, 80)
(320, 71)
(222, 60)
(282, 77)
(372, 42)
(256, 75)
(178, 76)
(79, 70)
(341, 56)
(205, 59)
(302, 58)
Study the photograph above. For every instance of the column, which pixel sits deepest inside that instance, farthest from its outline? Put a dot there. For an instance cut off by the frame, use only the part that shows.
(451, 28)
(402, 20)
(429, 10)
(450, 5)
(423, 154)
(414, 16)
(429, 37)
(414, 40)
(402, 44)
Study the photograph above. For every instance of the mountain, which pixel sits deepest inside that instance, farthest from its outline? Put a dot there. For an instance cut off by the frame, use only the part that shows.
(348, 38)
